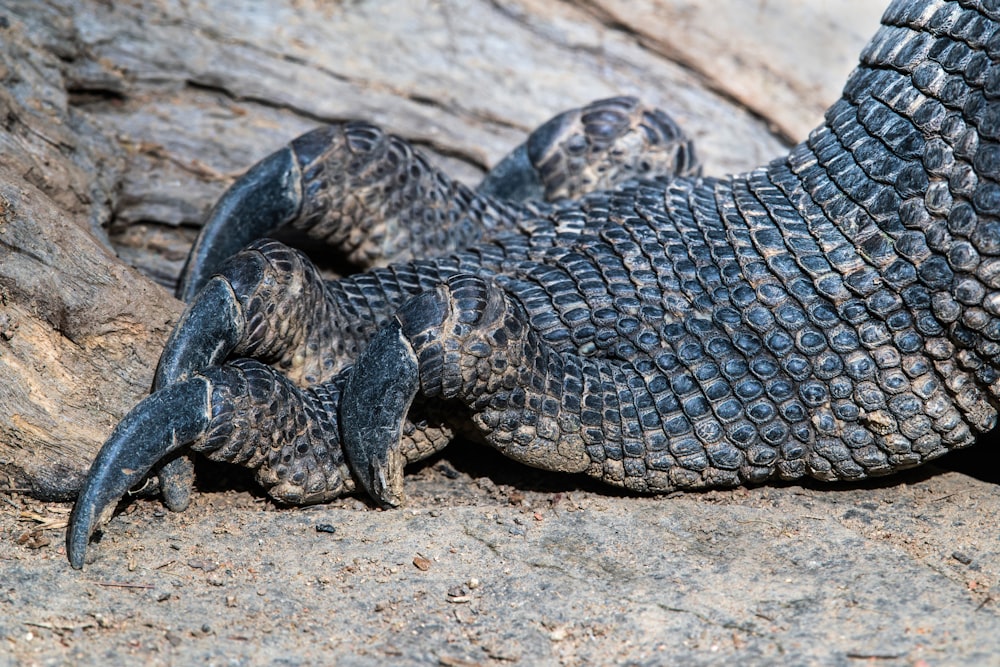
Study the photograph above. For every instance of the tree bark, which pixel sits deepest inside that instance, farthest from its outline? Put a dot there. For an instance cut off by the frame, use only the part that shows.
(121, 123)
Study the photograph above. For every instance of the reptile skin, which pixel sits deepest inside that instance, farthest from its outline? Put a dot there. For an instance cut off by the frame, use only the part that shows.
(598, 307)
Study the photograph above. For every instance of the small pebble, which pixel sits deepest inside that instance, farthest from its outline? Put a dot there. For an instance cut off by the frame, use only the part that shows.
(326, 528)
(962, 558)
(203, 565)
(458, 595)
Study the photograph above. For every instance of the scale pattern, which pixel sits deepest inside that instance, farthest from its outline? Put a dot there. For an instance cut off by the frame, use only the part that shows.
(833, 314)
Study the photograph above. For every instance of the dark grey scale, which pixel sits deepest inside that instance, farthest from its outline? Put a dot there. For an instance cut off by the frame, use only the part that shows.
(902, 14)
(976, 32)
(654, 400)
(910, 48)
(573, 152)
(982, 116)
(825, 306)
(875, 394)
(985, 7)
(894, 270)
(374, 198)
(674, 239)
(315, 151)
(289, 318)
(613, 273)
(665, 216)
(893, 129)
(902, 98)
(599, 399)
(903, 407)
(882, 44)
(866, 395)
(597, 147)
(864, 232)
(685, 369)
(639, 267)
(546, 306)
(962, 296)
(630, 325)
(593, 291)
(952, 55)
(947, 20)
(868, 152)
(622, 442)
(809, 339)
(289, 435)
(701, 365)
(702, 207)
(734, 369)
(951, 91)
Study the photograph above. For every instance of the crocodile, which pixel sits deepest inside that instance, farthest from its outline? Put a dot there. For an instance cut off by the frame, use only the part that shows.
(597, 305)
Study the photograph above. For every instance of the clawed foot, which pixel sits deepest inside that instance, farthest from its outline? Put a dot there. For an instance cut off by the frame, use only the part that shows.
(198, 413)
(243, 412)
(312, 384)
(247, 413)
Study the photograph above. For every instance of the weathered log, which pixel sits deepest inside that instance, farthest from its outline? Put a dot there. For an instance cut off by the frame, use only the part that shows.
(79, 330)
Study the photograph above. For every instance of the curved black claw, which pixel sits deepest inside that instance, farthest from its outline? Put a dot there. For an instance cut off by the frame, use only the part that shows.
(162, 423)
(265, 198)
(208, 331)
(373, 405)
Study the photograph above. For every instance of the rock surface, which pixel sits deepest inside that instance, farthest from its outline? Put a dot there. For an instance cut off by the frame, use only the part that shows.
(122, 122)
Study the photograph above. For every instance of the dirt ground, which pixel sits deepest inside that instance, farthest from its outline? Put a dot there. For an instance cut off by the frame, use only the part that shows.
(491, 563)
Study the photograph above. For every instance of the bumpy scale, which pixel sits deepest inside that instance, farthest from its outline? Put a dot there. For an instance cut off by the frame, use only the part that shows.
(597, 307)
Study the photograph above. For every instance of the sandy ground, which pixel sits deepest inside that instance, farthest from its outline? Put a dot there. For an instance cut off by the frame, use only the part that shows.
(491, 563)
